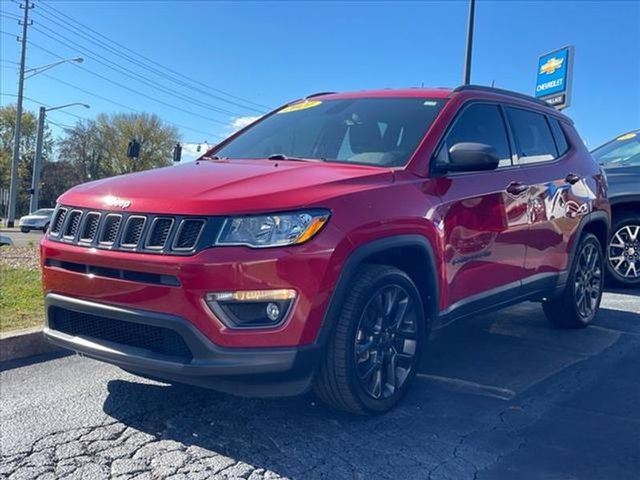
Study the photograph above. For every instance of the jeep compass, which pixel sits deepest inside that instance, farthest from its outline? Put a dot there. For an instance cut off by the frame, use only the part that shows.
(318, 247)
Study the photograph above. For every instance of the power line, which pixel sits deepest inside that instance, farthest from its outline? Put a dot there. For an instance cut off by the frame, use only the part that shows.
(50, 9)
(38, 102)
(113, 66)
(137, 92)
(9, 15)
(121, 105)
(136, 62)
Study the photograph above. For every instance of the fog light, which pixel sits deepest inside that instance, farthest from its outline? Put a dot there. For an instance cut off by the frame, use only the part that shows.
(273, 311)
(251, 308)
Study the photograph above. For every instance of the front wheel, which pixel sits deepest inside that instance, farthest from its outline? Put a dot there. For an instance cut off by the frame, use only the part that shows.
(374, 352)
(623, 252)
(25, 229)
(580, 300)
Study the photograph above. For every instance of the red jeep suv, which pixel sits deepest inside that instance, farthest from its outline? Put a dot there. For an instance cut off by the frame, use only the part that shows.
(319, 246)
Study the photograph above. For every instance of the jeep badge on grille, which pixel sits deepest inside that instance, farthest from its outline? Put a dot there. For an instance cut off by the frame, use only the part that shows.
(118, 202)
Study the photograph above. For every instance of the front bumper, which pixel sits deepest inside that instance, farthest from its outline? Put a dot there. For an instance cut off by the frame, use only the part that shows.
(198, 361)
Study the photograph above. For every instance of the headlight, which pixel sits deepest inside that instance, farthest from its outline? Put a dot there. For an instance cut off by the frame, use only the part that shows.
(260, 231)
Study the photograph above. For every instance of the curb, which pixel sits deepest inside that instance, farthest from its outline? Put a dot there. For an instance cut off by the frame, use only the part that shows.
(24, 343)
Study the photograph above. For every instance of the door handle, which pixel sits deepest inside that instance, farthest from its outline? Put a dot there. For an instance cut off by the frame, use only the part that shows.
(517, 188)
(572, 178)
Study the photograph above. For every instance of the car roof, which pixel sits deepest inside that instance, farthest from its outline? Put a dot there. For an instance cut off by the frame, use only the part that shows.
(469, 91)
(386, 93)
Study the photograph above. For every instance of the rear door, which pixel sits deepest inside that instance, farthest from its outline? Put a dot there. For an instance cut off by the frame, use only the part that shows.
(484, 214)
(559, 195)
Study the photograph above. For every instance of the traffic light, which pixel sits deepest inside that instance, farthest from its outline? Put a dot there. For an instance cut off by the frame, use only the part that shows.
(133, 149)
(177, 152)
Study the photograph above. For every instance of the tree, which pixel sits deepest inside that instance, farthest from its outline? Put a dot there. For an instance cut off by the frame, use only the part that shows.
(98, 148)
(27, 153)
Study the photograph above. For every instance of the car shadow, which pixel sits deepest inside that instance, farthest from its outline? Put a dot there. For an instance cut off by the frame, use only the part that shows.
(474, 372)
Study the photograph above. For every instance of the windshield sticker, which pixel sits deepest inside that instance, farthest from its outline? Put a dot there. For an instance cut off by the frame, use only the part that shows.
(626, 136)
(300, 106)
(430, 103)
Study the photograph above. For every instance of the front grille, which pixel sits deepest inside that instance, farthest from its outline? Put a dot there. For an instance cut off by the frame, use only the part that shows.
(160, 229)
(133, 232)
(110, 228)
(188, 234)
(158, 340)
(72, 224)
(90, 227)
(59, 220)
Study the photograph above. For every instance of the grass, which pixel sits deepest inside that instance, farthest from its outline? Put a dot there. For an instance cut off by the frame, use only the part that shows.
(21, 299)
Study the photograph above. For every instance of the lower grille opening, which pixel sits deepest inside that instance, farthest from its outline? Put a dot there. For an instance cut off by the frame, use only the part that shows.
(132, 276)
(155, 339)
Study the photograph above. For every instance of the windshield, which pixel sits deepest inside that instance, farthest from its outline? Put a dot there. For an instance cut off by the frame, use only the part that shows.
(371, 131)
(622, 151)
(43, 211)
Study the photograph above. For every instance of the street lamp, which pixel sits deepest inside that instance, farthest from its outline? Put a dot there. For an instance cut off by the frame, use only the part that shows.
(13, 186)
(37, 162)
(30, 72)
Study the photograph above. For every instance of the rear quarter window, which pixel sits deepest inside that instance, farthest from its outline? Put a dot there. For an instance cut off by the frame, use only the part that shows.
(559, 136)
(533, 137)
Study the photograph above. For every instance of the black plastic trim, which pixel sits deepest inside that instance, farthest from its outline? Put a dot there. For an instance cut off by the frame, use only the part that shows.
(359, 257)
(245, 371)
(108, 272)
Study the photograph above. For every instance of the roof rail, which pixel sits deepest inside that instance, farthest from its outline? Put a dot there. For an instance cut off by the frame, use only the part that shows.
(318, 94)
(502, 91)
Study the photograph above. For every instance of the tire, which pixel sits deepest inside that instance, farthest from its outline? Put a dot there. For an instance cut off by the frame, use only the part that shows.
(25, 229)
(623, 252)
(578, 304)
(356, 373)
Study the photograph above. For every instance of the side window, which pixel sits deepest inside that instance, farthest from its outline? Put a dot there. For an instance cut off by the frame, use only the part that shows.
(559, 136)
(478, 123)
(534, 141)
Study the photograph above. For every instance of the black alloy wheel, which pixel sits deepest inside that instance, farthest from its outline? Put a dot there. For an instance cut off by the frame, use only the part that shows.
(386, 341)
(378, 336)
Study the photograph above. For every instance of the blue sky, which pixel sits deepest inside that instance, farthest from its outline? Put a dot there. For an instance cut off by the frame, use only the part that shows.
(271, 52)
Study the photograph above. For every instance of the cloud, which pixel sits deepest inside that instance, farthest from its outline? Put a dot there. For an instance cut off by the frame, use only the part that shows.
(241, 122)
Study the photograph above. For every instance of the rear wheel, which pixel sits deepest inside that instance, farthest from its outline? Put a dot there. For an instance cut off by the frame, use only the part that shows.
(25, 229)
(373, 354)
(623, 251)
(578, 304)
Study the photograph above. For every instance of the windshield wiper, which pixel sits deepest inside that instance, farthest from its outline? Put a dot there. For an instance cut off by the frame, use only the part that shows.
(282, 156)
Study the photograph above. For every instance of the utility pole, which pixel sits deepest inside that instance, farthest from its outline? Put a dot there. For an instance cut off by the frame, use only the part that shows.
(468, 51)
(13, 189)
(37, 162)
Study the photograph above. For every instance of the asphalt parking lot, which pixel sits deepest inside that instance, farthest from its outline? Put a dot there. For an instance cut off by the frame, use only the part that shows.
(500, 396)
(23, 239)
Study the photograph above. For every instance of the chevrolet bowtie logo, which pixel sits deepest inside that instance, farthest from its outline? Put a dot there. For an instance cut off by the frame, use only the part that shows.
(551, 65)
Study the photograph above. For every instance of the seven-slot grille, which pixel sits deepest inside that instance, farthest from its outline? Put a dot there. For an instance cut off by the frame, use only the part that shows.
(128, 232)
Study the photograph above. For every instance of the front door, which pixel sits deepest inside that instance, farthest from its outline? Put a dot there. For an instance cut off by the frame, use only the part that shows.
(484, 215)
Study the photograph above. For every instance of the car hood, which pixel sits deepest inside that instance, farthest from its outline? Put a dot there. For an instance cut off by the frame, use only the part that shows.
(36, 217)
(226, 186)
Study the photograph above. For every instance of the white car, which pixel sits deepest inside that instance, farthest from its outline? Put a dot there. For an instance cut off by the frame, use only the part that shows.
(38, 220)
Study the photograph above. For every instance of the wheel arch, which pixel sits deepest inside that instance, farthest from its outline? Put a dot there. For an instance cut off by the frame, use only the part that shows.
(625, 205)
(411, 253)
(598, 223)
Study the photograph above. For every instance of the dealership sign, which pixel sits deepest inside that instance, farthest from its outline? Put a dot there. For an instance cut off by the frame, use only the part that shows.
(553, 82)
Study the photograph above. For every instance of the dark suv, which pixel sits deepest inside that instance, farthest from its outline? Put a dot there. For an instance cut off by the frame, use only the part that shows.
(620, 159)
(319, 246)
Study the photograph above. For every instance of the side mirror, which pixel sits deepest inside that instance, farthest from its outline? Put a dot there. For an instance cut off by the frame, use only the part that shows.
(469, 157)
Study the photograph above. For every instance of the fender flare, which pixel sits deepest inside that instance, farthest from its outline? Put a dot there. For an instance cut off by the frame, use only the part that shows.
(593, 217)
(359, 256)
